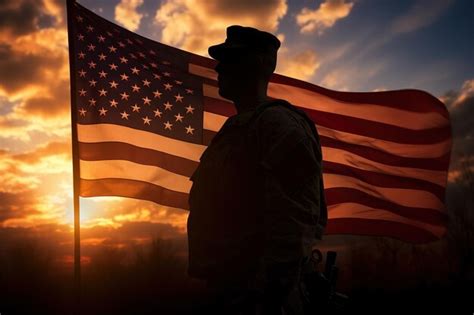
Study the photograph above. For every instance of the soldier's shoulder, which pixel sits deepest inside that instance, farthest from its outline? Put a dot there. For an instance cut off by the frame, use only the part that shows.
(279, 112)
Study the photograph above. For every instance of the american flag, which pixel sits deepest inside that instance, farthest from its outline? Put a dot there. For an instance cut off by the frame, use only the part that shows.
(147, 111)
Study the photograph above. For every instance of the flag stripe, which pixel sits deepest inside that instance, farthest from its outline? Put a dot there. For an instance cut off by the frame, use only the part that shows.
(371, 227)
(383, 180)
(96, 133)
(435, 164)
(134, 189)
(354, 210)
(350, 124)
(346, 195)
(402, 196)
(130, 170)
(129, 152)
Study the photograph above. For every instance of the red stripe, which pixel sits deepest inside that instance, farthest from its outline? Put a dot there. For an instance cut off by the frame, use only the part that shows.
(435, 164)
(406, 99)
(133, 189)
(124, 151)
(352, 125)
(403, 232)
(342, 195)
(383, 180)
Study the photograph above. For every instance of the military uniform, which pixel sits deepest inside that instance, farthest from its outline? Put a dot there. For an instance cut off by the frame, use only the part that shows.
(257, 201)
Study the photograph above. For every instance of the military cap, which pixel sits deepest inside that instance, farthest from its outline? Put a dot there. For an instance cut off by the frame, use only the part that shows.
(248, 39)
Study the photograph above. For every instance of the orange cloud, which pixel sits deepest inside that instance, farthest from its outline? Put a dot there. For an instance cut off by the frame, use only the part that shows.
(127, 15)
(195, 25)
(328, 13)
(302, 65)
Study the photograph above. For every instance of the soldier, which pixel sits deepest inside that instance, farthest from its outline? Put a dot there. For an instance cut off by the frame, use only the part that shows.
(257, 201)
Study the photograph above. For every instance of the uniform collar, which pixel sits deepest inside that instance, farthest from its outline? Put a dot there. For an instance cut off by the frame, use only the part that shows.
(243, 118)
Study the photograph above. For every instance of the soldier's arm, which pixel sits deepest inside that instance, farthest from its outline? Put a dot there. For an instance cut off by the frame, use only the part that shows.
(291, 189)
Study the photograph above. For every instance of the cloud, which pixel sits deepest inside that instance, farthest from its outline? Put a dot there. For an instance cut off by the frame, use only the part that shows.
(460, 104)
(324, 17)
(127, 15)
(302, 65)
(421, 14)
(195, 25)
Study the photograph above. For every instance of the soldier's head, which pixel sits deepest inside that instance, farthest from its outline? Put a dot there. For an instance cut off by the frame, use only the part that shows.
(246, 60)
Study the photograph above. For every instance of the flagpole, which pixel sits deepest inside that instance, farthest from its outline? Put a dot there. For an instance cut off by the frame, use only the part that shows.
(75, 162)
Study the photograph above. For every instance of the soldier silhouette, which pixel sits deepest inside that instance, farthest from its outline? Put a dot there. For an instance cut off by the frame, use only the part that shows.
(257, 201)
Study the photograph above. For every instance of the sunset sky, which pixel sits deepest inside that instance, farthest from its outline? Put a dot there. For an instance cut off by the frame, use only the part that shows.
(360, 45)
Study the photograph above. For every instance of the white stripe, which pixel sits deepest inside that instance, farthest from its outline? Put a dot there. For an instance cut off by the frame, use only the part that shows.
(214, 122)
(129, 170)
(351, 210)
(357, 161)
(308, 99)
(402, 196)
(116, 133)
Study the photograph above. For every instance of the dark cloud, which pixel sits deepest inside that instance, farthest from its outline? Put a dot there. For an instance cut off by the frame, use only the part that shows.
(19, 17)
(19, 70)
(17, 205)
(49, 106)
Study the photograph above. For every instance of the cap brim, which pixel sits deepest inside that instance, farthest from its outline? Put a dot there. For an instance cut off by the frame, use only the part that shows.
(220, 50)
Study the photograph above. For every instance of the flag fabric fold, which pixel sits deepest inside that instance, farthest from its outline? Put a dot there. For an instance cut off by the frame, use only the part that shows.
(145, 112)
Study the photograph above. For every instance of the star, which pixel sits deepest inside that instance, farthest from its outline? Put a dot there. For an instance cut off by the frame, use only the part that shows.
(146, 100)
(102, 56)
(82, 111)
(92, 102)
(189, 109)
(121, 44)
(136, 108)
(102, 92)
(113, 103)
(124, 96)
(112, 49)
(113, 84)
(92, 82)
(129, 41)
(92, 64)
(178, 82)
(152, 52)
(79, 18)
(141, 54)
(135, 88)
(80, 37)
(179, 117)
(125, 115)
(102, 74)
(146, 120)
(124, 76)
(91, 47)
(153, 65)
(157, 112)
(113, 66)
(82, 73)
(101, 38)
(189, 91)
(135, 70)
(168, 125)
(156, 76)
(167, 86)
(89, 28)
(103, 111)
(133, 56)
(189, 129)
(168, 105)
(178, 98)
(123, 60)
(146, 82)
(81, 55)
(166, 74)
(145, 66)
(157, 93)
(166, 62)
(82, 92)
